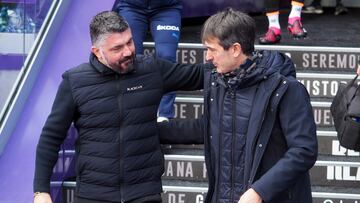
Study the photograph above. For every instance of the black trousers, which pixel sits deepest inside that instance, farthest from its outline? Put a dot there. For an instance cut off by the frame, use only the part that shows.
(274, 5)
(148, 199)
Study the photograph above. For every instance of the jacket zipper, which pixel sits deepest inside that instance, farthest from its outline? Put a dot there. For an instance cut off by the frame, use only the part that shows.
(220, 148)
(120, 139)
(233, 97)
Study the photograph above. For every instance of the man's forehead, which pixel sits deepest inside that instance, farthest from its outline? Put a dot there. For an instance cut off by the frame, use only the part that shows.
(118, 38)
(211, 41)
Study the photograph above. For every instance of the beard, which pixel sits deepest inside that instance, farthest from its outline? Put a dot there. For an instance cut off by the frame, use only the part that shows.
(124, 65)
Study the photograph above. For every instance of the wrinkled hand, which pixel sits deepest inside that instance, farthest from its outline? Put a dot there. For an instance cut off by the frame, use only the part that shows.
(250, 196)
(42, 198)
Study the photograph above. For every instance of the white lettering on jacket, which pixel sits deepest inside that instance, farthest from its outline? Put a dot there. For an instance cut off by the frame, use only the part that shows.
(167, 27)
(134, 88)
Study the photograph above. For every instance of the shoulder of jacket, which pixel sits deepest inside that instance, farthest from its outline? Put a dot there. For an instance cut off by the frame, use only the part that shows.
(290, 84)
(275, 83)
(77, 69)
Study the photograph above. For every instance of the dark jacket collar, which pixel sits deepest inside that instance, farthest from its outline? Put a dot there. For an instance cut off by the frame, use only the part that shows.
(267, 63)
(97, 65)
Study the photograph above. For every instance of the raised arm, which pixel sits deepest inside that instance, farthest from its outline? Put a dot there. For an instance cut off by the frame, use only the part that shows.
(182, 131)
(185, 77)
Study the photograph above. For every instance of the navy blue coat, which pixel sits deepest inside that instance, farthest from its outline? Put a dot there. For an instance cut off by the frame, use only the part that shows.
(281, 143)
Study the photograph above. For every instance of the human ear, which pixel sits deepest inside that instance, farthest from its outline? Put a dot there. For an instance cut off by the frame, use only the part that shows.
(237, 49)
(96, 51)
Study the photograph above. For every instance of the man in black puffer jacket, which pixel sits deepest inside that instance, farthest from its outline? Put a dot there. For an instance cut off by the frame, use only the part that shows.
(113, 101)
(258, 125)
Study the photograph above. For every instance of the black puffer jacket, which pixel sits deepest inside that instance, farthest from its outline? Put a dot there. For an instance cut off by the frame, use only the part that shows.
(118, 150)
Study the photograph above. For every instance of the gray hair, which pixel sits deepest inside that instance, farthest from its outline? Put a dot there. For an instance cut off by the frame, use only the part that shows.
(105, 23)
(230, 27)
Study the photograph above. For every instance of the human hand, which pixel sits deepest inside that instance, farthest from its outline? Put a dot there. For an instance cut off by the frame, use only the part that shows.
(358, 70)
(42, 197)
(250, 196)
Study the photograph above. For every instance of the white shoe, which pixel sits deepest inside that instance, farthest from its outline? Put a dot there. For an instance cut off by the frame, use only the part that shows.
(162, 119)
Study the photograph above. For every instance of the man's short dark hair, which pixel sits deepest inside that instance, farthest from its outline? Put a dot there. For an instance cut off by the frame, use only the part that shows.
(230, 27)
(104, 23)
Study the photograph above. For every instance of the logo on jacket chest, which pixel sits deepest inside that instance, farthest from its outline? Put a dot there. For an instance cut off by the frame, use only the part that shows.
(129, 89)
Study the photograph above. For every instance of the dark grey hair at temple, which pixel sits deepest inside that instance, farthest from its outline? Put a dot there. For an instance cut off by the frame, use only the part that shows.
(230, 27)
(105, 23)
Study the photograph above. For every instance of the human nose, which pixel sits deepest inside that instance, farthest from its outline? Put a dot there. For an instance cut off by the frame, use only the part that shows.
(128, 50)
(208, 56)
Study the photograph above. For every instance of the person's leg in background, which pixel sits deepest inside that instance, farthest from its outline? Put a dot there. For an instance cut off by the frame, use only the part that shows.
(295, 26)
(138, 22)
(165, 25)
(273, 35)
(340, 9)
(313, 7)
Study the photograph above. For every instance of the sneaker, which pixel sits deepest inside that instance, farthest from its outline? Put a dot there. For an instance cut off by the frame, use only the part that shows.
(312, 9)
(162, 119)
(340, 10)
(270, 37)
(296, 29)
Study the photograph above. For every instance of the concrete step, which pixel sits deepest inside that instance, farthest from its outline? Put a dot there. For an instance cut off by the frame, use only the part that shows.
(328, 171)
(328, 146)
(188, 192)
(334, 171)
(177, 194)
(321, 86)
(306, 58)
(192, 107)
